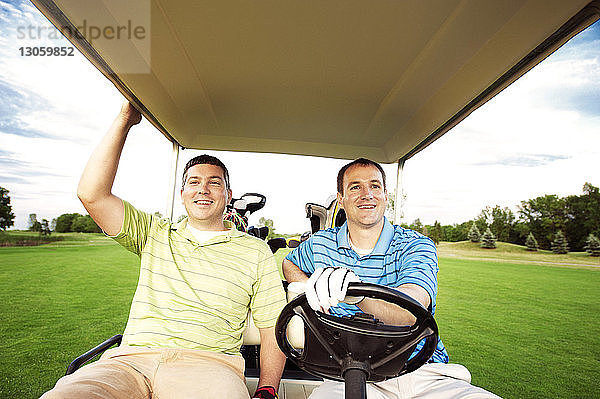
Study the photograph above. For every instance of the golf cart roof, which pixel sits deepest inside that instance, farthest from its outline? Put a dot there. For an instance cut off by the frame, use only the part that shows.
(342, 79)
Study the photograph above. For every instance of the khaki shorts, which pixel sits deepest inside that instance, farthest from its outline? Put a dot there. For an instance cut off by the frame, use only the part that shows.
(431, 381)
(137, 372)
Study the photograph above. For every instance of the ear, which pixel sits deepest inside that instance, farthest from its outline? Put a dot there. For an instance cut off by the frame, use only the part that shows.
(181, 196)
(229, 195)
(339, 200)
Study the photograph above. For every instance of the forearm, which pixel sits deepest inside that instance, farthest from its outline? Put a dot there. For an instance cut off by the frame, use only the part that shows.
(99, 174)
(393, 314)
(95, 185)
(272, 360)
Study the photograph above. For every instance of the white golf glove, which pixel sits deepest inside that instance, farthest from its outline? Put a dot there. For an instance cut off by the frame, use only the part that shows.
(327, 287)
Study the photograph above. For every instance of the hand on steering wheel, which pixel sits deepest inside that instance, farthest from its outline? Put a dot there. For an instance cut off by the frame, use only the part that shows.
(333, 345)
(327, 287)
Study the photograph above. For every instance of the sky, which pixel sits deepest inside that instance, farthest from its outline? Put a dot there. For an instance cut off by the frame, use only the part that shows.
(539, 136)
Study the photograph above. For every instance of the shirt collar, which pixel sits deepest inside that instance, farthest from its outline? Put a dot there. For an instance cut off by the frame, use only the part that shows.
(383, 242)
(231, 232)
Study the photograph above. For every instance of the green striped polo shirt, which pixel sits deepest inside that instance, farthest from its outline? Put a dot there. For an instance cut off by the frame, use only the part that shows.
(197, 296)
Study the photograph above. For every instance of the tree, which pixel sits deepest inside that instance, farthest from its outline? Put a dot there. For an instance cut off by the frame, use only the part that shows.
(416, 226)
(45, 228)
(7, 217)
(503, 220)
(65, 221)
(33, 224)
(543, 216)
(520, 231)
(436, 233)
(593, 245)
(79, 224)
(456, 232)
(85, 224)
(583, 217)
(531, 243)
(91, 226)
(559, 244)
(474, 234)
(500, 220)
(488, 240)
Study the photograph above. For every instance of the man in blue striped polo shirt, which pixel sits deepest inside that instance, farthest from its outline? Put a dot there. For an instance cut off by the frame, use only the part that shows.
(370, 249)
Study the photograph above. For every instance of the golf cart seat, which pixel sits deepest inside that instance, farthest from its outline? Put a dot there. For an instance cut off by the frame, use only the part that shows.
(323, 217)
(295, 383)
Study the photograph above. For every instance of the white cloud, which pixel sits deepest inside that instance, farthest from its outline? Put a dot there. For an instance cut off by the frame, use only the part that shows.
(549, 116)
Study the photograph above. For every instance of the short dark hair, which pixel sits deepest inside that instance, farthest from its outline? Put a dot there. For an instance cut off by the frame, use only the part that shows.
(206, 159)
(361, 162)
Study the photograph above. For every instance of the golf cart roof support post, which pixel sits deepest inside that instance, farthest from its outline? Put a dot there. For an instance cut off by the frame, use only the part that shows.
(172, 181)
(399, 195)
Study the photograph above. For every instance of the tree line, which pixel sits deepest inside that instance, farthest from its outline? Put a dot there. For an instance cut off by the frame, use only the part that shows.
(65, 223)
(539, 220)
(575, 216)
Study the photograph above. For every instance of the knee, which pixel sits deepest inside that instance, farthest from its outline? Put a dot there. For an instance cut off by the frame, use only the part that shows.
(54, 393)
(68, 388)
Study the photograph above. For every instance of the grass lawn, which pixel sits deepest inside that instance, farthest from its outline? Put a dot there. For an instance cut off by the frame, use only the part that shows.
(57, 301)
(523, 330)
(517, 254)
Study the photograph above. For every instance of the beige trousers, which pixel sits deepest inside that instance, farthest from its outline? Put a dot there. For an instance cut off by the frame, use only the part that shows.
(430, 381)
(136, 373)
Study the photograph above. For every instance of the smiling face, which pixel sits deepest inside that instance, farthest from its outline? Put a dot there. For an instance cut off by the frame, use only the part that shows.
(205, 196)
(364, 197)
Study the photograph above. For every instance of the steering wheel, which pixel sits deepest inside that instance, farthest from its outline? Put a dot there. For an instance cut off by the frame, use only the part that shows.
(339, 347)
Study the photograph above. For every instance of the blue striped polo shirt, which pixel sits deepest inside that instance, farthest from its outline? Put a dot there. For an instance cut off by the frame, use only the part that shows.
(401, 256)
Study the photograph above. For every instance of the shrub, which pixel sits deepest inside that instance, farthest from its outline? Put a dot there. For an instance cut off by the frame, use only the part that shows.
(593, 245)
(488, 240)
(11, 239)
(559, 244)
(474, 234)
(531, 243)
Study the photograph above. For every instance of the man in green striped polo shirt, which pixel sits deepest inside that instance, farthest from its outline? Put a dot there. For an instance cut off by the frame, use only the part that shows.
(198, 279)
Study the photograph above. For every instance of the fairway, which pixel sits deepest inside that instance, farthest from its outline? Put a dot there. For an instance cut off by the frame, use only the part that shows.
(523, 330)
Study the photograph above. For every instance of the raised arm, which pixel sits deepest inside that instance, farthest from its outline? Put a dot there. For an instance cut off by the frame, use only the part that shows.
(95, 186)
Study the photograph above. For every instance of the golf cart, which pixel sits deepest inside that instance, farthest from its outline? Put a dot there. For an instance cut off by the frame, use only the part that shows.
(381, 80)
